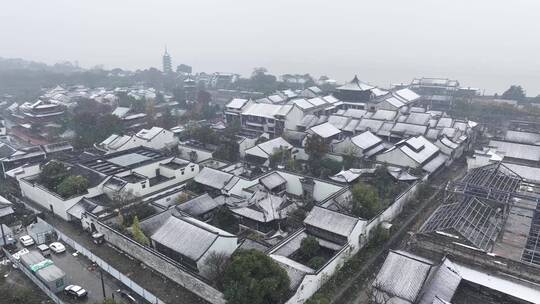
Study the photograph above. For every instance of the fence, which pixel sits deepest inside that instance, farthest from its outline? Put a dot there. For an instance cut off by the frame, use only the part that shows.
(34, 279)
(111, 270)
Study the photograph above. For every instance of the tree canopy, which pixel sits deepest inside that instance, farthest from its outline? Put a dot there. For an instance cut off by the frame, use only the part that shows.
(137, 232)
(252, 277)
(72, 185)
(366, 202)
(52, 174)
(515, 92)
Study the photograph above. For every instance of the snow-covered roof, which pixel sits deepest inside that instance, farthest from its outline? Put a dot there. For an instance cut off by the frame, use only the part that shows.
(522, 137)
(213, 178)
(190, 237)
(332, 221)
(237, 103)
(402, 275)
(409, 129)
(263, 207)
(384, 115)
(518, 151)
(369, 124)
(266, 110)
(303, 104)
(272, 180)
(356, 85)
(325, 130)
(407, 94)
(366, 140)
(418, 118)
(121, 112)
(199, 205)
(355, 113)
(148, 134)
(338, 121)
(268, 148)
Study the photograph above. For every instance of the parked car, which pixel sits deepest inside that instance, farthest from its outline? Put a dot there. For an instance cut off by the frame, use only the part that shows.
(127, 296)
(26, 240)
(98, 238)
(75, 291)
(57, 247)
(44, 249)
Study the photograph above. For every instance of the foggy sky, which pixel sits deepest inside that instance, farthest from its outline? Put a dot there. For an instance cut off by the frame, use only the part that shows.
(489, 44)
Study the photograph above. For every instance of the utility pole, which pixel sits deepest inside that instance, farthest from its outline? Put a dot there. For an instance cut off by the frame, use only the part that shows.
(102, 283)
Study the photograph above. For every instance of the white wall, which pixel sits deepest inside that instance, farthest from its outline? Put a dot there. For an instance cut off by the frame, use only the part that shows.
(312, 282)
(294, 117)
(46, 199)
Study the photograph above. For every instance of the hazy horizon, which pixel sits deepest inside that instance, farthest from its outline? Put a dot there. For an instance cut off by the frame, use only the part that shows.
(486, 44)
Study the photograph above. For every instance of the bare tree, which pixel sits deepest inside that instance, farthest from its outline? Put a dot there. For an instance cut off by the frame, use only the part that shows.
(215, 266)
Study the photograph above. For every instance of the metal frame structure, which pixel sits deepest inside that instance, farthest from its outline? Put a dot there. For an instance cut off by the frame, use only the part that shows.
(478, 222)
(477, 207)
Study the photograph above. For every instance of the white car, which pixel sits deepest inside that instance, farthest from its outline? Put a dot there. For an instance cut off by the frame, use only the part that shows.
(26, 240)
(75, 291)
(57, 247)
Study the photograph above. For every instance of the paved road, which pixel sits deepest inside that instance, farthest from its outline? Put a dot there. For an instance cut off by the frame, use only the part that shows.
(79, 272)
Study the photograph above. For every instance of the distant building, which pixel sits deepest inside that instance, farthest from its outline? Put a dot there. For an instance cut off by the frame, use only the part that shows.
(156, 138)
(437, 93)
(184, 69)
(167, 62)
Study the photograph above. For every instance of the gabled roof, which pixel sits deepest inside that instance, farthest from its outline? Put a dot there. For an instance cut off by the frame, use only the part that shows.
(356, 85)
(213, 178)
(407, 94)
(190, 237)
(384, 115)
(366, 140)
(402, 276)
(325, 130)
(148, 134)
(266, 110)
(418, 148)
(199, 205)
(272, 180)
(121, 112)
(263, 207)
(338, 121)
(332, 221)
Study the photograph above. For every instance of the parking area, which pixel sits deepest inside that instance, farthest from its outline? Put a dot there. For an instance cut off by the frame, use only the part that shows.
(81, 271)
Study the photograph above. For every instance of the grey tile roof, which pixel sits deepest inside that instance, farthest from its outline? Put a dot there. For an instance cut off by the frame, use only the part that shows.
(188, 236)
(402, 275)
(272, 180)
(213, 178)
(331, 221)
(199, 205)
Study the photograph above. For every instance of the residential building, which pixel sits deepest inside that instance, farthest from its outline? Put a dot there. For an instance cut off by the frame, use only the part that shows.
(135, 173)
(155, 137)
(408, 278)
(187, 240)
(365, 144)
(261, 153)
(415, 152)
(436, 93)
